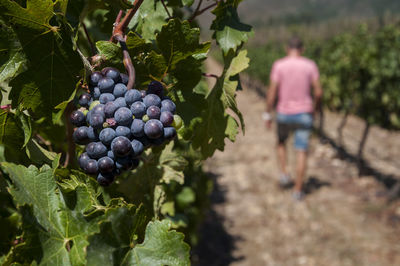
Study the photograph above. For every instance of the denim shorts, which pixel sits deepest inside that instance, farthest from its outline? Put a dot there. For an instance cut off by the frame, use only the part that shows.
(300, 124)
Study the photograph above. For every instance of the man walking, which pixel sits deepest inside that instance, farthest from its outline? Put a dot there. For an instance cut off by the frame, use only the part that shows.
(291, 80)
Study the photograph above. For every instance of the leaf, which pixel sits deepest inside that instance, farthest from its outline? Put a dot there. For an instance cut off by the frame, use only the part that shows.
(172, 164)
(12, 137)
(177, 41)
(38, 154)
(160, 247)
(110, 51)
(119, 232)
(62, 229)
(229, 31)
(12, 59)
(149, 19)
(53, 65)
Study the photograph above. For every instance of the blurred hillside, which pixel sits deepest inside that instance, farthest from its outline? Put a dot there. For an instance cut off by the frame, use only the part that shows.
(275, 20)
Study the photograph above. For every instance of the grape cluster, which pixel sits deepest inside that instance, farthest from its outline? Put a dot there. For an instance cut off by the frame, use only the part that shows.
(117, 124)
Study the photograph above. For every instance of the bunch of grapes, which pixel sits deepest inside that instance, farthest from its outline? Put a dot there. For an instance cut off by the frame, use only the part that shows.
(117, 124)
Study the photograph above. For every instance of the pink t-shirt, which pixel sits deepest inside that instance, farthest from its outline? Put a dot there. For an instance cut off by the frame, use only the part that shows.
(294, 76)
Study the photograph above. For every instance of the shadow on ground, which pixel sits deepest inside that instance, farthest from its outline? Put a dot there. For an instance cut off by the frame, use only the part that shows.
(216, 245)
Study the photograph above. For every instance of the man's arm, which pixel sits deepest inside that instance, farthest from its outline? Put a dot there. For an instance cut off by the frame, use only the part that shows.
(317, 94)
(271, 97)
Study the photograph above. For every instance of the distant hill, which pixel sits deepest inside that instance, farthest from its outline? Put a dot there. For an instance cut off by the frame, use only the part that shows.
(258, 12)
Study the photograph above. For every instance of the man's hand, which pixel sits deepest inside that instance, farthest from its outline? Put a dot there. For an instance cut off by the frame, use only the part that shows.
(268, 119)
(268, 124)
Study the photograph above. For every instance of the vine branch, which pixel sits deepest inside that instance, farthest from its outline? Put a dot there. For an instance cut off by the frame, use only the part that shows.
(92, 46)
(208, 75)
(166, 9)
(199, 11)
(121, 27)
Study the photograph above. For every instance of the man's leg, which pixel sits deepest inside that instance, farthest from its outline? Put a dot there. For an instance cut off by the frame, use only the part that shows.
(301, 166)
(282, 158)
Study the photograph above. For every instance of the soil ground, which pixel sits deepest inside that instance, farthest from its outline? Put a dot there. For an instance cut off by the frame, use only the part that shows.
(343, 220)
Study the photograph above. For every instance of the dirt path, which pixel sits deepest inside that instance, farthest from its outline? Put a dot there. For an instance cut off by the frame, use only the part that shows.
(342, 221)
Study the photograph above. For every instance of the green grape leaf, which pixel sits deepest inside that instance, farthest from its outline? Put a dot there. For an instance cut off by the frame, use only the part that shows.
(161, 246)
(61, 226)
(229, 31)
(120, 231)
(178, 41)
(149, 19)
(53, 64)
(215, 124)
(110, 51)
(12, 137)
(38, 154)
(172, 165)
(12, 59)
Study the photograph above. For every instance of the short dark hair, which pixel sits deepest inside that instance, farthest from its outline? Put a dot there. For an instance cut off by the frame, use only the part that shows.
(295, 43)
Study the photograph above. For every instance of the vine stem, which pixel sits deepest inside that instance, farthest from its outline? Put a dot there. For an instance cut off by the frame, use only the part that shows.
(208, 75)
(121, 27)
(199, 11)
(70, 130)
(166, 9)
(92, 47)
(127, 62)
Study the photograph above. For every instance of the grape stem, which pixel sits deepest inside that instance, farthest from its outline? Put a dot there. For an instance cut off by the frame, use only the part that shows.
(92, 47)
(199, 11)
(119, 36)
(120, 28)
(166, 9)
(208, 75)
(70, 130)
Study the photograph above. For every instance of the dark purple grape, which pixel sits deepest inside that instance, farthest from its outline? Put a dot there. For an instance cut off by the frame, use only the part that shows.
(132, 96)
(96, 150)
(105, 164)
(83, 159)
(119, 90)
(169, 133)
(107, 135)
(137, 147)
(120, 102)
(111, 73)
(77, 118)
(84, 99)
(168, 105)
(145, 141)
(80, 135)
(137, 128)
(124, 163)
(138, 109)
(123, 116)
(153, 112)
(156, 88)
(158, 141)
(98, 109)
(94, 78)
(109, 109)
(110, 154)
(96, 93)
(106, 85)
(121, 146)
(153, 129)
(124, 78)
(91, 167)
(123, 131)
(152, 99)
(96, 120)
(92, 133)
(106, 97)
(166, 118)
(143, 93)
(105, 180)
